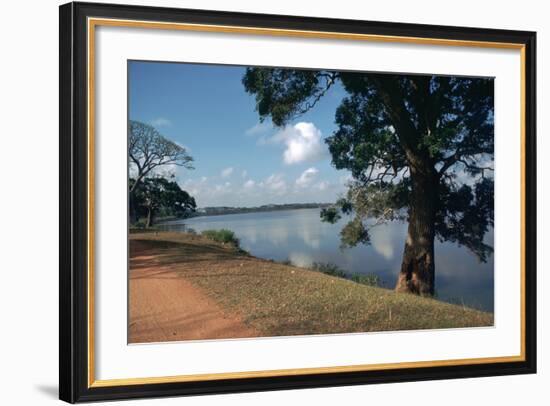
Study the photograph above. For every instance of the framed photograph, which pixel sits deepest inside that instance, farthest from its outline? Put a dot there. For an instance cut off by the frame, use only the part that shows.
(256, 202)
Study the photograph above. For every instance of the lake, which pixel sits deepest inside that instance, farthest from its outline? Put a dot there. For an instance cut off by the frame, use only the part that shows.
(301, 237)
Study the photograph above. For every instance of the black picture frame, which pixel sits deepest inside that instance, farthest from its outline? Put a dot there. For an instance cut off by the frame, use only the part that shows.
(74, 385)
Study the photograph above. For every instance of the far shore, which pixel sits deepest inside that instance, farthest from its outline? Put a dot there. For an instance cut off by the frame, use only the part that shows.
(184, 286)
(223, 211)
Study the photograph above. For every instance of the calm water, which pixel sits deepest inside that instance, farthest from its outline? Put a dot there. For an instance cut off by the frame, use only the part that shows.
(301, 237)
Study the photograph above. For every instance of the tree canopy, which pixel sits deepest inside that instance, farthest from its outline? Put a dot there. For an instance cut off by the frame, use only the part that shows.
(158, 195)
(148, 150)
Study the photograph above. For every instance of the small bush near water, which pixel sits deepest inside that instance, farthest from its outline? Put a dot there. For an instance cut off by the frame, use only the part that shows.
(190, 230)
(224, 236)
(139, 227)
(369, 279)
(329, 269)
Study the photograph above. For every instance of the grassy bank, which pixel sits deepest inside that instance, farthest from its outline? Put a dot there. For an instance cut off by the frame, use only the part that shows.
(278, 299)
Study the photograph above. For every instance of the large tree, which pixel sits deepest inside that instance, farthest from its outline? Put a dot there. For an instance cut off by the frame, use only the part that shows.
(419, 148)
(149, 151)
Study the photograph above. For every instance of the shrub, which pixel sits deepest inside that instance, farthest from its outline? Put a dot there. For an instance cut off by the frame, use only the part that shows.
(139, 227)
(368, 279)
(329, 269)
(224, 236)
(139, 224)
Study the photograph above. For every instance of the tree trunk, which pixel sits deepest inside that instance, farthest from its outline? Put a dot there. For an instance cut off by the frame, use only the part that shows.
(418, 267)
(149, 222)
(132, 209)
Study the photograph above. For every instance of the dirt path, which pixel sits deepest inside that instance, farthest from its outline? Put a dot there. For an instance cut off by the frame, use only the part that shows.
(164, 306)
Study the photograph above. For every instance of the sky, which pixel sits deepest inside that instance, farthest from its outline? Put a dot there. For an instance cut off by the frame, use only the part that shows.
(238, 160)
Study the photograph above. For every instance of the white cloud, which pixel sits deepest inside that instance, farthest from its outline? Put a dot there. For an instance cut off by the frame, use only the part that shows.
(300, 259)
(244, 174)
(303, 143)
(223, 188)
(382, 242)
(309, 237)
(323, 185)
(275, 183)
(166, 170)
(277, 188)
(132, 169)
(161, 122)
(307, 177)
(258, 129)
(208, 194)
(226, 172)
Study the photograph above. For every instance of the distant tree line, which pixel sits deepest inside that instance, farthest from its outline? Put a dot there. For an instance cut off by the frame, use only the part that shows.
(219, 210)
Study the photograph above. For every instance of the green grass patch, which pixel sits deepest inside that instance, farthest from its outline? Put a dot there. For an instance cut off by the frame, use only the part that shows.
(223, 236)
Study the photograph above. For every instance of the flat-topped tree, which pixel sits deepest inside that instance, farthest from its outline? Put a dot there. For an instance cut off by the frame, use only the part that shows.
(149, 150)
(419, 148)
(155, 194)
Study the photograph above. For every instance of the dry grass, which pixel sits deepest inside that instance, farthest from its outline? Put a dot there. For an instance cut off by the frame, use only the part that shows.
(277, 299)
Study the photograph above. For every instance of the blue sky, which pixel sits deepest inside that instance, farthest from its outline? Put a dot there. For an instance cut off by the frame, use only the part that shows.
(238, 160)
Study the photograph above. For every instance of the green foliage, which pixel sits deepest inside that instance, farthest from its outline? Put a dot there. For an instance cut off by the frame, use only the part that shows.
(353, 233)
(159, 195)
(379, 201)
(282, 93)
(465, 215)
(140, 224)
(330, 215)
(224, 236)
(369, 279)
(329, 269)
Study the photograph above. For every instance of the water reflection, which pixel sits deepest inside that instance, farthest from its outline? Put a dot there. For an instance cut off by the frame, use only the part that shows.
(300, 236)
